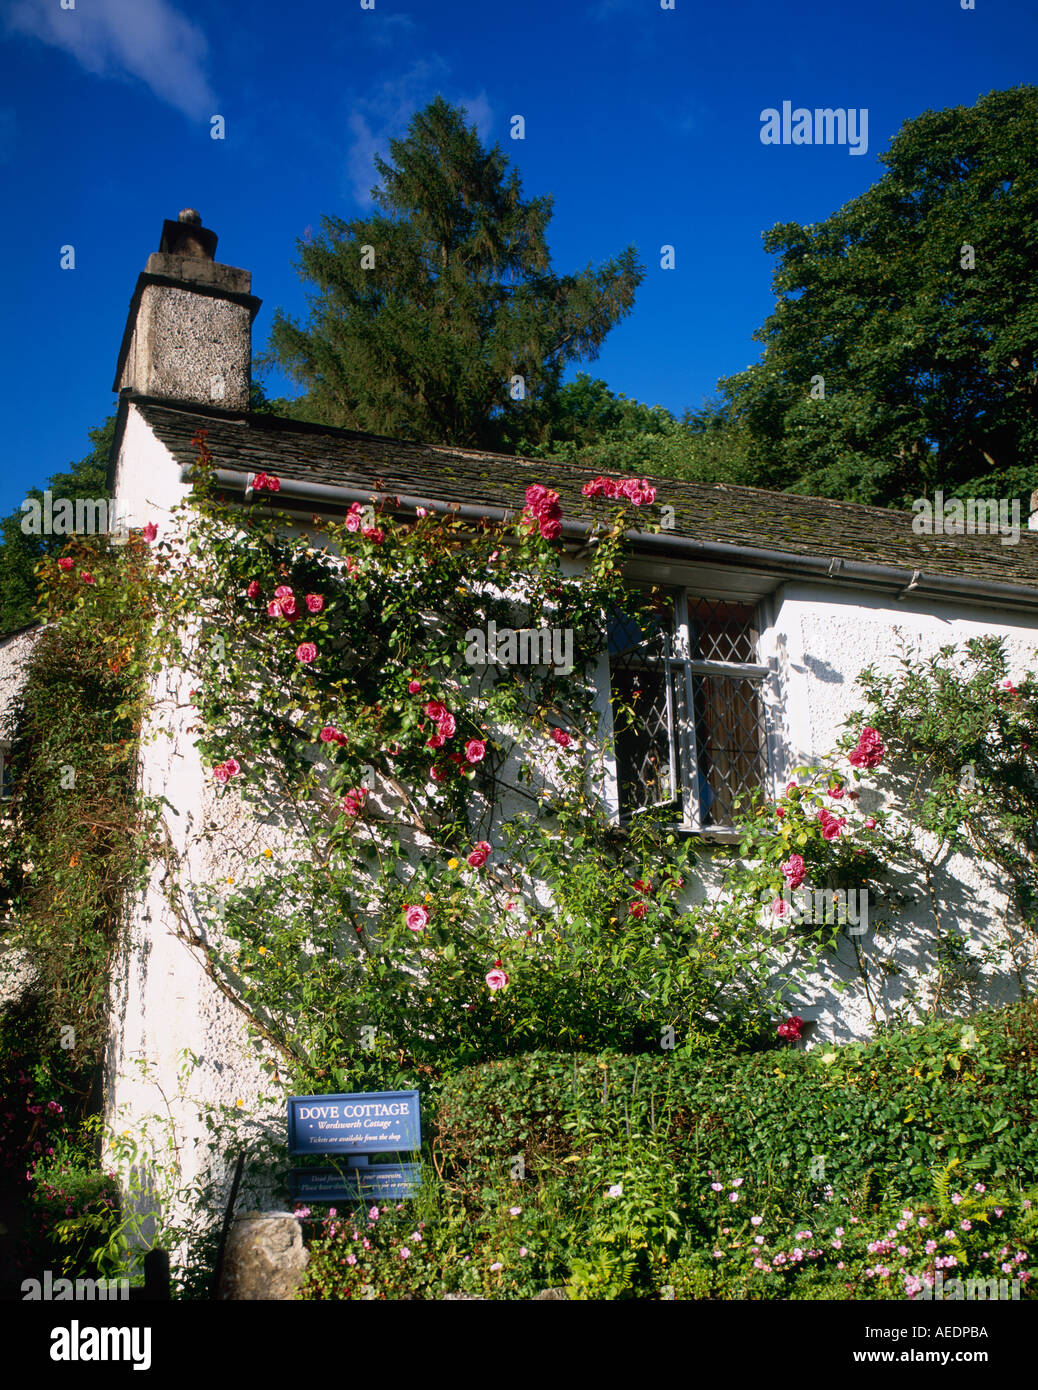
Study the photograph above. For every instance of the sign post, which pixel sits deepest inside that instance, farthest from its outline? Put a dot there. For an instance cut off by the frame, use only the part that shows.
(354, 1127)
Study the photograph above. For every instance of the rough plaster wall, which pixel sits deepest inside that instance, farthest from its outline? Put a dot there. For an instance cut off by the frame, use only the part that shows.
(14, 656)
(162, 1000)
(190, 348)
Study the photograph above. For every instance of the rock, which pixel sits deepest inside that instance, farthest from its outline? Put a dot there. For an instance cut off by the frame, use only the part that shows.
(468, 1298)
(546, 1294)
(265, 1257)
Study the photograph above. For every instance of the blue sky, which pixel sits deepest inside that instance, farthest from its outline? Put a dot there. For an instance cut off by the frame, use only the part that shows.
(643, 123)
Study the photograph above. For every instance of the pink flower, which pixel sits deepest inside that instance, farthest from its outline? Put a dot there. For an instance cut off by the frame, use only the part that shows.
(446, 725)
(289, 608)
(870, 749)
(223, 772)
(86, 577)
(642, 885)
(306, 652)
(330, 734)
(636, 910)
(480, 854)
(791, 1029)
(353, 801)
(314, 602)
(836, 793)
(413, 687)
(372, 1216)
(831, 825)
(65, 563)
(475, 750)
(374, 533)
(497, 979)
(351, 1258)
(354, 518)
(438, 774)
(274, 609)
(1008, 686)
(779, 907)
(436, 741)
(870, 822)
(283, 591)
(263, 483)
(416, 917)
(150, 532)
(435, 710)
(421, 511)
(561, 737)
(542, 511)
(253, 590)
(793, 870)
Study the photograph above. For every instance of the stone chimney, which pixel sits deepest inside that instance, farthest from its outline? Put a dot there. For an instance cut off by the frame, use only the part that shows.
(188, 334)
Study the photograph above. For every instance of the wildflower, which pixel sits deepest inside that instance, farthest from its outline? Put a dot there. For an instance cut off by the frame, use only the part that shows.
(404, 1253)
(351, 1258)
(756, 1220)
(523, 1252)
(496, 1266)
(979, 1187)
(373, 1214)
(717, 1187)
(733, 1196)
(617, 1190)
(737, 1182)
(514, 1211)
(956, 1198)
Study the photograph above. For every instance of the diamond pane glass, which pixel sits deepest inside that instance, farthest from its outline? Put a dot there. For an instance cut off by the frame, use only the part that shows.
(720, 631)
(729, 741)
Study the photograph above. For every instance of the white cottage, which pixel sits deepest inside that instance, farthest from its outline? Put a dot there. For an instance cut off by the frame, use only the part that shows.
(778, 602)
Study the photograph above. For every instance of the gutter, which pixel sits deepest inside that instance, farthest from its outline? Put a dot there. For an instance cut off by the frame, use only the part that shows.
(859, 573)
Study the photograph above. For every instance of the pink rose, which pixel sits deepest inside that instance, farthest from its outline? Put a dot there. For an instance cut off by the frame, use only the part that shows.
(65, 563)
(437, 741)
(330, 734)
(314, 602)
(288, 606)
(870, 749)
(870, 822)
(497, 979)
(551, 528)
(438, 774)
(421, 511)
(150, 532)
(413, 687)
(306, 652)
(86, 577)
(836, 793)
(264, 483)
(636, 909)
(447, 725)
(224, 771)
(416, 917)
(354, 518)
(793, 870)
(273, 609)
(435, 710)
(283, 591)
(353, 801)
(253, 589)
(791, 1029)
(480, 854)
(780, 907)
(475, 750)
(831, 825)
(561, 737)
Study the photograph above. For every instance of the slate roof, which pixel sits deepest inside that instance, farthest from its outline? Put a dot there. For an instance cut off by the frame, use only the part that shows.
(739, 516)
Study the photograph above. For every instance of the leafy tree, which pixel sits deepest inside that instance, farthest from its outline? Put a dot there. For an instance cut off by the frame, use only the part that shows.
(916, 305)
(426, 313)
(19, 553)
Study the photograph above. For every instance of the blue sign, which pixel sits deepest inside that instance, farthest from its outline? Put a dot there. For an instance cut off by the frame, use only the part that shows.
(392, 1180)
(366, 1123)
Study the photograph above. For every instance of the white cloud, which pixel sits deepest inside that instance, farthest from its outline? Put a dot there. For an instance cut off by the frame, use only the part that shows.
(146, 39)
(386, 113)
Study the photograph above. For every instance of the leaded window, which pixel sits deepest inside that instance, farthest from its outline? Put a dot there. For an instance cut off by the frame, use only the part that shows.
(688, 714)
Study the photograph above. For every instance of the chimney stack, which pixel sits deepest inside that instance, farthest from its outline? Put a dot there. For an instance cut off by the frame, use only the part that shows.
(188, 334)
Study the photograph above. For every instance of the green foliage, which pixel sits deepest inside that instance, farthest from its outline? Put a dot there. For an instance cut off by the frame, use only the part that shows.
(20, 552)
(460, 298)
(928, 366)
